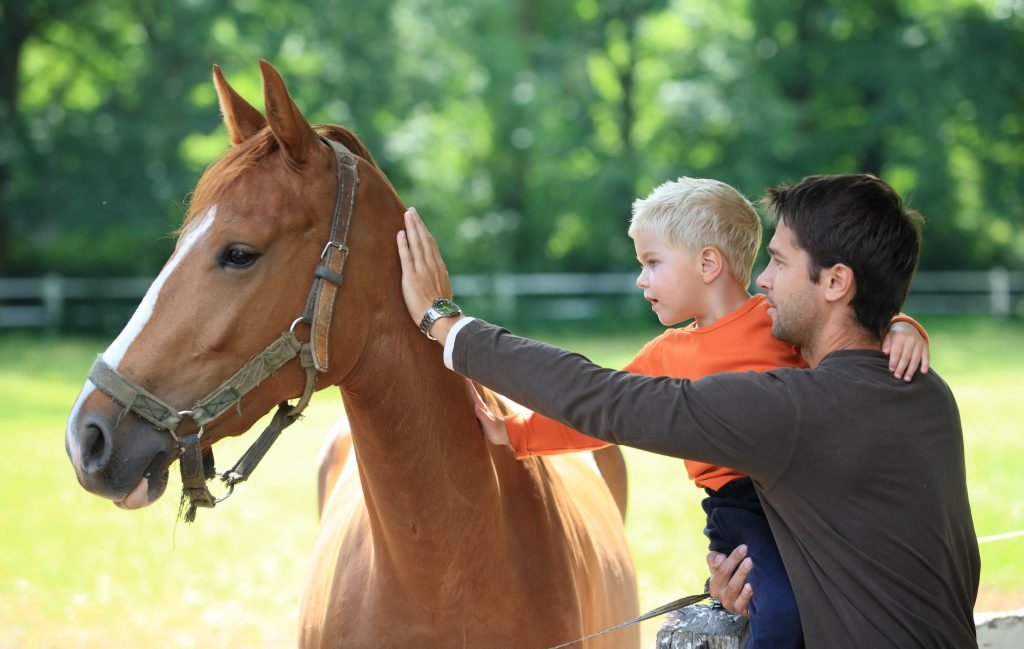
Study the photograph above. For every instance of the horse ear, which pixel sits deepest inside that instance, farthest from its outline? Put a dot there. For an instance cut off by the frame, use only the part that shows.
(243, 121)
(291, 129)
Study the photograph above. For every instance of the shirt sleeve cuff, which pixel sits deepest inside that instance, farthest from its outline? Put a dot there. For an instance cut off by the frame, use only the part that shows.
(903, 317)
(449, 342)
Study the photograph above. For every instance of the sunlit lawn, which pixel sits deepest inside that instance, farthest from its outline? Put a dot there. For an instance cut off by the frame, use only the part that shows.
(76, 571)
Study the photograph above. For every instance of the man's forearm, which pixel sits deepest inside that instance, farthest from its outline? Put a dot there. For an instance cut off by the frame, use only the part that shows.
(742, 420)
(658, 414)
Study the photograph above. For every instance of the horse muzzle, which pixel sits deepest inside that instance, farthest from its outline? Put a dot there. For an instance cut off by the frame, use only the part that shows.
(116, 455)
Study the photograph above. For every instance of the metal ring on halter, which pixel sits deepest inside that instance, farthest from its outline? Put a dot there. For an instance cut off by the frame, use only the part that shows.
(183, 414)
(294, 324)
(333, 244)
(231, 490)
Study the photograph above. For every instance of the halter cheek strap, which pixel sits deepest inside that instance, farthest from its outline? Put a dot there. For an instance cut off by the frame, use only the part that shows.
(330, 273)
(197, 465)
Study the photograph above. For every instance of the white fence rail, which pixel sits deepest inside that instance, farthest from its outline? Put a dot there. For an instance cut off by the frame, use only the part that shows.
(46, 302)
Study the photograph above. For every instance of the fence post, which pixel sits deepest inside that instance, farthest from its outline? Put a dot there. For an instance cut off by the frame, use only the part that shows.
(505, 296)
(999, 292)
(53, 302)
(707, 627)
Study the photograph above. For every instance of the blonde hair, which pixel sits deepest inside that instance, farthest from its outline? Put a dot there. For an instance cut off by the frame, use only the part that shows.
(692, 213)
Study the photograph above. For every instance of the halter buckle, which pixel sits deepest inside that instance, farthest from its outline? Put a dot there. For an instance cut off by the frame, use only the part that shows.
(333, 244)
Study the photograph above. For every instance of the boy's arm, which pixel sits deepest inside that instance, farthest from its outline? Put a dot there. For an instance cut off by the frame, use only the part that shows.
(906, 342)
(532, 434)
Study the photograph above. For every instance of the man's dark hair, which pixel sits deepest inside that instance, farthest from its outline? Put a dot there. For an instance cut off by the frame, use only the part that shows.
(859, 221)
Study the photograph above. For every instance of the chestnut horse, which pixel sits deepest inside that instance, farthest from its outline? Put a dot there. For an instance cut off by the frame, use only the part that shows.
(430, 537)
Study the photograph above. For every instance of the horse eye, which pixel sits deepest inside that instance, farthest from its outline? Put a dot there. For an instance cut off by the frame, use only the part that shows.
(237, 257)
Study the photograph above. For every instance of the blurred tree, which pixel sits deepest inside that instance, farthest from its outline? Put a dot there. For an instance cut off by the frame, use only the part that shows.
(540, 166)
(523, 130)
(922, 94)
(104, 109)
(20, 20)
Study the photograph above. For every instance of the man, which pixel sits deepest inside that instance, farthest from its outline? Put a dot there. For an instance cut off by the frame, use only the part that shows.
(861, 475)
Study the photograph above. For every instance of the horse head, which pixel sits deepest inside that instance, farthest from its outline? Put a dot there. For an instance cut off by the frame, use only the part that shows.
(220, 337)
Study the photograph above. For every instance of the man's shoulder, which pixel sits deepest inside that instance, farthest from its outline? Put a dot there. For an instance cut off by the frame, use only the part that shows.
(867, 371)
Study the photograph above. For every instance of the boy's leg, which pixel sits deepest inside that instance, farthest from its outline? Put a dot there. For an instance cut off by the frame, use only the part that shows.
(774, 618)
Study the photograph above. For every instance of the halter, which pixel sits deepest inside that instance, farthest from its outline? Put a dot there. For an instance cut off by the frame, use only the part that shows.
(197, 466)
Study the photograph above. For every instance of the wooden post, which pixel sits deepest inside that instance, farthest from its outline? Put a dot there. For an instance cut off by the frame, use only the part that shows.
(504, 294)
(52, 294)
(999, 292)
(702, 627)
(1002, 630)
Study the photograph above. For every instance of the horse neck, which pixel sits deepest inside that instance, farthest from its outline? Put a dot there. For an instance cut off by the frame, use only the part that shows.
(423, 462)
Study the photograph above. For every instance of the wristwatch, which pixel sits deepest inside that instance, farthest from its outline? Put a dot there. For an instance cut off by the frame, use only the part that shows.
(441, 308)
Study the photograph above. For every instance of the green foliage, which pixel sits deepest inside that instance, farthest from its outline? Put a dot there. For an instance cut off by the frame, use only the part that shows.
(523, 131)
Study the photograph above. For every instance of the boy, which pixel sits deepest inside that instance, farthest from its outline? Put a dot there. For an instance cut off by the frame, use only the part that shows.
(696, 240)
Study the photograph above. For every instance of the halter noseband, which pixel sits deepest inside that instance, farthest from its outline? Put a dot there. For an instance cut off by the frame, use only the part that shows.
(197, 466)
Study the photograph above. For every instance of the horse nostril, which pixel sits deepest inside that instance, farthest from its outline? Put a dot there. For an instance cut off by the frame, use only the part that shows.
(94, 448)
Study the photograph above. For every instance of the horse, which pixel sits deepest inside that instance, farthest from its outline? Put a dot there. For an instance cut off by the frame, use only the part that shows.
(429, 536)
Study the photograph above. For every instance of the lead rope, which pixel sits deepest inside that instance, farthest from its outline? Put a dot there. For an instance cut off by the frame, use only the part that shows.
(194, 497)
(683, 602)
(1000, 537)
(198, 495)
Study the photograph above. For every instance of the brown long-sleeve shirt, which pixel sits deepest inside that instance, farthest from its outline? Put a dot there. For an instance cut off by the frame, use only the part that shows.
(861, 475)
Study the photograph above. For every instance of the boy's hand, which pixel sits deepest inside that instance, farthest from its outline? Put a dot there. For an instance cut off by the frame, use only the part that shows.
(424, 275)
(493, 425)
(907, 350)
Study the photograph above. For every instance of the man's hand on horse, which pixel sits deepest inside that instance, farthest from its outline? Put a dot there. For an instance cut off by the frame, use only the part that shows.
(424, 275)
(728, 582)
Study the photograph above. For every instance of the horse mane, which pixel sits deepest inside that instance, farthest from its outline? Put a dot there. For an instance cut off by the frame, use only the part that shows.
(225, 170)
(493, 400)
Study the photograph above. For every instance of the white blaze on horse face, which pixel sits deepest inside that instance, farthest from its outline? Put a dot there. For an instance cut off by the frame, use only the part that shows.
(115, 353)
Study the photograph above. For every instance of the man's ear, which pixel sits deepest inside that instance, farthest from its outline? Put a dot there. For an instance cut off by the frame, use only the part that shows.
(839, 283)
(712, 263)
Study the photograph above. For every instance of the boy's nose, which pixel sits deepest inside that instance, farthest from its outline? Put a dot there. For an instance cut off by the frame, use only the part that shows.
(641, 280)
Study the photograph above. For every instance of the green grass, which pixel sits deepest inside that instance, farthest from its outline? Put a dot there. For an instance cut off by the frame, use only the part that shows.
(76, 571)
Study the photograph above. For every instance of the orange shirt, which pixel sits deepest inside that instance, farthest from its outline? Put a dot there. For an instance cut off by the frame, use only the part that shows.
(740, 341)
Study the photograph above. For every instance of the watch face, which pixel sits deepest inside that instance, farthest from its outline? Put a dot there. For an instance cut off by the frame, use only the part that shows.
(445, 307)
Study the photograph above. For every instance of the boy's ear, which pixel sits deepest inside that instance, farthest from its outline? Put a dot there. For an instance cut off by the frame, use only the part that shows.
(840, 284)
(711, 263)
